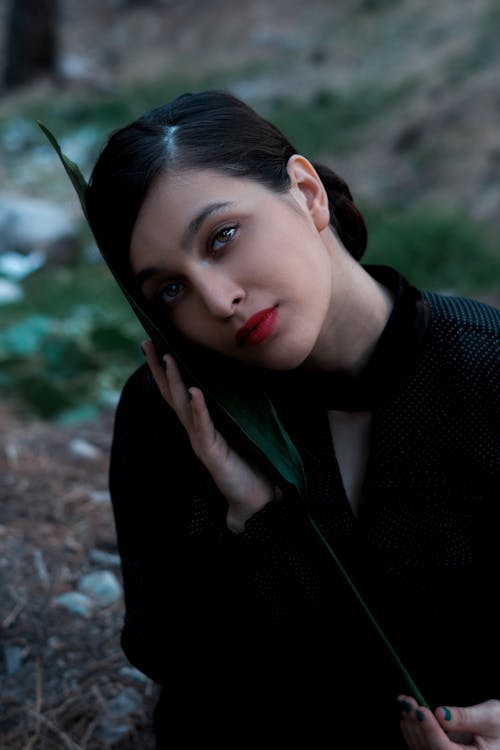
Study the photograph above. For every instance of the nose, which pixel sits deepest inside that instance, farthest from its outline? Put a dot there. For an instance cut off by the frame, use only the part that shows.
(219, 293)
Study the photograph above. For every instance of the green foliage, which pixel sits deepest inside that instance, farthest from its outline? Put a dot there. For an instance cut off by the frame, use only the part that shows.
(67, 347)
(435, 250)
(72, 170)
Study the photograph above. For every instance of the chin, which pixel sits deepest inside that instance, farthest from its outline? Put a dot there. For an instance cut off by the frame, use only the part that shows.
(280, 361)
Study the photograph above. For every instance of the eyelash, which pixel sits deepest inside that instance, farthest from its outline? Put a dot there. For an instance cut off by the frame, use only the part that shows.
(213, 253)
(231, 228)
(163, 292)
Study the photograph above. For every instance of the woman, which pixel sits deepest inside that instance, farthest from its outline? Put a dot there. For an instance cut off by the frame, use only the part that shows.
(211, 219)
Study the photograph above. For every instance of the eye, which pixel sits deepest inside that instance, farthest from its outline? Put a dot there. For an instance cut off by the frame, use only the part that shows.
(170, 291)
(222, 237)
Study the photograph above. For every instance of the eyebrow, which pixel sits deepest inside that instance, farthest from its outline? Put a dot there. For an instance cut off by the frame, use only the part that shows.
(209, 210)
(192, 230)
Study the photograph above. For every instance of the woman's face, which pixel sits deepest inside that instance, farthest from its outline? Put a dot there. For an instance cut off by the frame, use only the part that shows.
(241, 269)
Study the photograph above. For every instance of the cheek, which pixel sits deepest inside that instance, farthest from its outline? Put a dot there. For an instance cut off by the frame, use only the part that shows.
(185, 319)
(192, 328)
(193, 322)
(306, 274)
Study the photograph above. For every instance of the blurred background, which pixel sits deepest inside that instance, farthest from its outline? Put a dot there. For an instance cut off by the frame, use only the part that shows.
(400, 97)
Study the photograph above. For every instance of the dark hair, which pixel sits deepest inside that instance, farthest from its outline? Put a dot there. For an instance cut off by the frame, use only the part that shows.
(208, 130)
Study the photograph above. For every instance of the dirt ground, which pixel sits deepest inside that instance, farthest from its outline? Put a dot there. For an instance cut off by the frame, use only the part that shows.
(64, 682)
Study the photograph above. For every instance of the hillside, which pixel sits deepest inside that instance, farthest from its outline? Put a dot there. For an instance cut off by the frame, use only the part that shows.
(421, 76)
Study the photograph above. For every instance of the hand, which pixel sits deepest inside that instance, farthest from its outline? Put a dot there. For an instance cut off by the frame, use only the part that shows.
(245, 487)
(450, 728)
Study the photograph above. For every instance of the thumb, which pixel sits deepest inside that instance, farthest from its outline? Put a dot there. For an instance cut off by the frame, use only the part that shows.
(482, 718)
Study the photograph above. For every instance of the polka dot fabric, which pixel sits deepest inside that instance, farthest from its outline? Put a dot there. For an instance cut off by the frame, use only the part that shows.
(265, 614)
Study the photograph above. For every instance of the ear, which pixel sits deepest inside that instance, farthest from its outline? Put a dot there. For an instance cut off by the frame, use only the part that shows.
(306, 185)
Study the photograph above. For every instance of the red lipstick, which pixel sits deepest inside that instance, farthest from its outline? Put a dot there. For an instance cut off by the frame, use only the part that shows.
(258, 327)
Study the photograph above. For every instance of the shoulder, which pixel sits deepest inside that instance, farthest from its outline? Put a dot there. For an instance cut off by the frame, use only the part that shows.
(461, 355)
(139, 388)
(466, 331)
(458, 377)
(143, 415)
(464, 315)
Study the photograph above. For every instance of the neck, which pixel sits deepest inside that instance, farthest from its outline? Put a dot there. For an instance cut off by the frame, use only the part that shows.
(359, 313)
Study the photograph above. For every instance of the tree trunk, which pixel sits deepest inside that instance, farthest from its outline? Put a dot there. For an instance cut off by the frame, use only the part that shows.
(31, 44)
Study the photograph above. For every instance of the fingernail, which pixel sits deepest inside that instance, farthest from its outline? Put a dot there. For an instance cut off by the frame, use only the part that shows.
(164, 360)
(405, 706)
(446, 712)
(419, 714)
(190, 396)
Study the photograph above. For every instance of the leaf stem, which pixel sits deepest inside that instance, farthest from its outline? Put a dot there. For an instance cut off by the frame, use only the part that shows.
(411, 684)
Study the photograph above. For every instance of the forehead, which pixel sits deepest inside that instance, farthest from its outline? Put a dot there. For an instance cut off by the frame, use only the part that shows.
(198, 185)
(180, 202)
(179, 197)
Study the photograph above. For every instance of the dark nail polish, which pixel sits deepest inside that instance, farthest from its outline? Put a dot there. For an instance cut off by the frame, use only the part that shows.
(164, 360)
(447, 713)
(405, 706)
(420, 714)
(190, 397)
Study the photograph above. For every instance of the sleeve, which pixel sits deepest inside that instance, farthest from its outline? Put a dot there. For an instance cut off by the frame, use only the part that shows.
(189, 583)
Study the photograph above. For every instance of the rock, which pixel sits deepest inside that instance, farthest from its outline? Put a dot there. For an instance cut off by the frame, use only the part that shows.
(135, 674)
(100, 496)
(28, 224)
(104, 558)
(83, 449)
(102, 587)
(16, 266)
(13, 656)
(76, 603)
(10, 292)
(74, 67)
(118, 718)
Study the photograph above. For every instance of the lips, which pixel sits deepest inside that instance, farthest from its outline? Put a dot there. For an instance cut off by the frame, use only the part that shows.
(258, 327)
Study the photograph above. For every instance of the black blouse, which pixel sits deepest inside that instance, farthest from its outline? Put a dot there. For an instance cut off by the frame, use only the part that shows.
(258, 633)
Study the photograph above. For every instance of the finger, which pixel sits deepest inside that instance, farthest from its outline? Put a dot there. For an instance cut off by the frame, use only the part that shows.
(203, 427)
(421, 729)
(415, 738)
(167, 376)
(157, 369)
(411, 735)
(428, 734)
(482, 719)
(407, 706)
(179, 394)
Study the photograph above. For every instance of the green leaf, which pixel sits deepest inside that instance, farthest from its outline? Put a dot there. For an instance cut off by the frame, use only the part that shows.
(72, 170)
(246, 414)
(409, 680)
